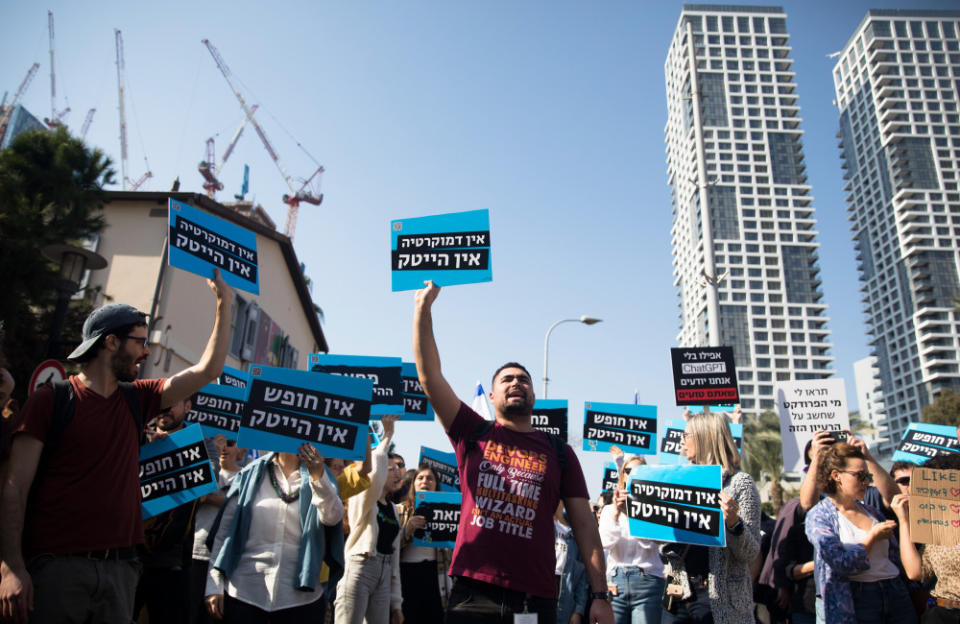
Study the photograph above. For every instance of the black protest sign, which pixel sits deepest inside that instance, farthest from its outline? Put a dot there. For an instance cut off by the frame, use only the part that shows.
(384, 372)
(550, 416)
(704, 376)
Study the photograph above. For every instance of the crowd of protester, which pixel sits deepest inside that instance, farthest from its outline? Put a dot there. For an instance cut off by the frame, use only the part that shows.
(300, 538)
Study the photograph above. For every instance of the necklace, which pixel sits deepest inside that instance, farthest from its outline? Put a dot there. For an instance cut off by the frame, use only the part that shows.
(285, 497)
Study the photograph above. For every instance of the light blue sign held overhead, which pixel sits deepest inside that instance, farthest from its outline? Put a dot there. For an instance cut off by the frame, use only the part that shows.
(385, 372)
(449, 249)
(286, 408)
(676, 504)
(218, 409)
(921, 442)
(174, 471)
(198, 242)
(631, 427)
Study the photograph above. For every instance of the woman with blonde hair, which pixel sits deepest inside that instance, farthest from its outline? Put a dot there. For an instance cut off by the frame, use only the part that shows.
(633, 564)
(716, 582)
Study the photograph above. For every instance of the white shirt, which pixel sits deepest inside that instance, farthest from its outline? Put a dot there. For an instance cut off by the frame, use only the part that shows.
(624, 549)
(266, 572)
(881, 567)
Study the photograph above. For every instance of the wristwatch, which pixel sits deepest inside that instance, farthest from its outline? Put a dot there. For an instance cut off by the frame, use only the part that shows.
(601, 595)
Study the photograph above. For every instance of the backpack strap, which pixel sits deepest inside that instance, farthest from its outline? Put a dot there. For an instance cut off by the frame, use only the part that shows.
(560, 448)
(132, 398)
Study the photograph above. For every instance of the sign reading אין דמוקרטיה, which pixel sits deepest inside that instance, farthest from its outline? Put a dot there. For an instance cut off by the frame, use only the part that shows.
(450, 249)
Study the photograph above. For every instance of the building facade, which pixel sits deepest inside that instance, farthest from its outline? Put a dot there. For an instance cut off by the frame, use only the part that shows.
(278, 327)
(897, 83)
(870, 406)
(743, 234)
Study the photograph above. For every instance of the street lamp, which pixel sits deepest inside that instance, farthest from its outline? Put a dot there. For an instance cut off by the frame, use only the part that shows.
(586, 320)
(73, 262)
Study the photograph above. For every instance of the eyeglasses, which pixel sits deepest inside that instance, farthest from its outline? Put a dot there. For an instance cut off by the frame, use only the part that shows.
(141, 340)
(903, 481)
(863, 476)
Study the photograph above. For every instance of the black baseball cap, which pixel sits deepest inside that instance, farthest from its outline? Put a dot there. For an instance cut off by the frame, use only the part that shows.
(101, 322)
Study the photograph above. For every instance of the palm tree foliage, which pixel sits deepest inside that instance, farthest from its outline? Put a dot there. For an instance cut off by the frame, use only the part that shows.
(763, 453)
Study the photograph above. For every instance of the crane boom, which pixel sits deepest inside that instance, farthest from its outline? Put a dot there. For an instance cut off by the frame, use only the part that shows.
(86, 123)
(53, 75)
(8, 111)
(236, 137)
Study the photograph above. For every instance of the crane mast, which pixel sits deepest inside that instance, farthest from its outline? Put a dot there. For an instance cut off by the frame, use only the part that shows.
(56, 119)
(297, 194)
(86, 123)
(123, 119)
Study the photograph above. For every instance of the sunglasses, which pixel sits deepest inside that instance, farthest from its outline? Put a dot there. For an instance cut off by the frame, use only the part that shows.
(863, 476)
(903, 481)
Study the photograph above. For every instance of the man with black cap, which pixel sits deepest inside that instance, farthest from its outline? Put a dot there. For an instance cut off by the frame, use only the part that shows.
(70, 554)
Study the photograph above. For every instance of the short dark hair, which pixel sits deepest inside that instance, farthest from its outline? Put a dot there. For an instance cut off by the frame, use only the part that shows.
(901, 465)
(510, 365)
(950, 461)
(120, 332)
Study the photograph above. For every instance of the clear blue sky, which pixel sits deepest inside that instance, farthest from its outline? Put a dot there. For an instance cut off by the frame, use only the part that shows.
(549, 114)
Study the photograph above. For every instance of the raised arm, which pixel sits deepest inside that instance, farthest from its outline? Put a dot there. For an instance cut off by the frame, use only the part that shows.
(881, 478)
(809, 492)
(441, 396)
(909, 555)
(188, 381)
(16, 587)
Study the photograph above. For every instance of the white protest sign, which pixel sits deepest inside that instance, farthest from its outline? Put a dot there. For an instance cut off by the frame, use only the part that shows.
(806, 407)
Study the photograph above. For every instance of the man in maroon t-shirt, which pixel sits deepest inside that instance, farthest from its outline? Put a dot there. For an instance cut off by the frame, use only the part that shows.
(71, 553)
(504, 558)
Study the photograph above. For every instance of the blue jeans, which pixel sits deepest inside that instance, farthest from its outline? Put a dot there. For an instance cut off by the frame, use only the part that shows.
(638, 596)
(883, 602)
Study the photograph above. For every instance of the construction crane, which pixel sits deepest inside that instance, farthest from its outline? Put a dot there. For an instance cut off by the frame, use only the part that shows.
(7, 112)
(123, 122)
(211, 173)
(56, 119)
(86, 123)
(308, 191)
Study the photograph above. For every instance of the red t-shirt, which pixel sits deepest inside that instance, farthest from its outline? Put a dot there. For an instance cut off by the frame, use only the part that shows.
(89, 495)
(511, 485)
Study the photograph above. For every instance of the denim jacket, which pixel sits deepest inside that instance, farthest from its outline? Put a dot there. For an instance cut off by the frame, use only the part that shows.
(835, 562)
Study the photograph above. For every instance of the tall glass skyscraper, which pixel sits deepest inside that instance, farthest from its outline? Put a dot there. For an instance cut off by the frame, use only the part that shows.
(744, 237)
(898, 83)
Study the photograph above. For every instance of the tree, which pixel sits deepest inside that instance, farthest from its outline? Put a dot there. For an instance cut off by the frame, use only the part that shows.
(945, 410)
(763, 453)
(51, 191)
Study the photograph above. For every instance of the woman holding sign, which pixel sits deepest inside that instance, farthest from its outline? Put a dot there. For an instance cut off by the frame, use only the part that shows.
(419, 571)
(280, 522)
(938, 561)
(633, 564)
(856, 558)
(704, 584)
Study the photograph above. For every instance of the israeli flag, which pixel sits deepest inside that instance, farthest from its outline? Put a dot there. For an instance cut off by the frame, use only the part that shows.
(480, 404)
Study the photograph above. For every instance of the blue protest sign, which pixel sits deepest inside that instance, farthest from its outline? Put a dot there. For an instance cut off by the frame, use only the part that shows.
(174, 471)
(445, 465)
(921, 442)
(384, 372)
(286, 408)
(610, 477)
(676, 504)
(234, 377)
(550, 416)
(671, 443)
(415, 404)
(199, 242)
(449, 249)
(442, 513)
(631, 427)
(218, 409)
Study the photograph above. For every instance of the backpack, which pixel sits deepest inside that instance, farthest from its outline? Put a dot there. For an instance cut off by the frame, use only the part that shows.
(482, 428)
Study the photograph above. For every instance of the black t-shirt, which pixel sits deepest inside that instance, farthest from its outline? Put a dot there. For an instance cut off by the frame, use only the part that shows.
(387, 528)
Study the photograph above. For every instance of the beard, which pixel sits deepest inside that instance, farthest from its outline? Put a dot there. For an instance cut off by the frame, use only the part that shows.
(175, 423)
(517, 411)
(123, 366)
